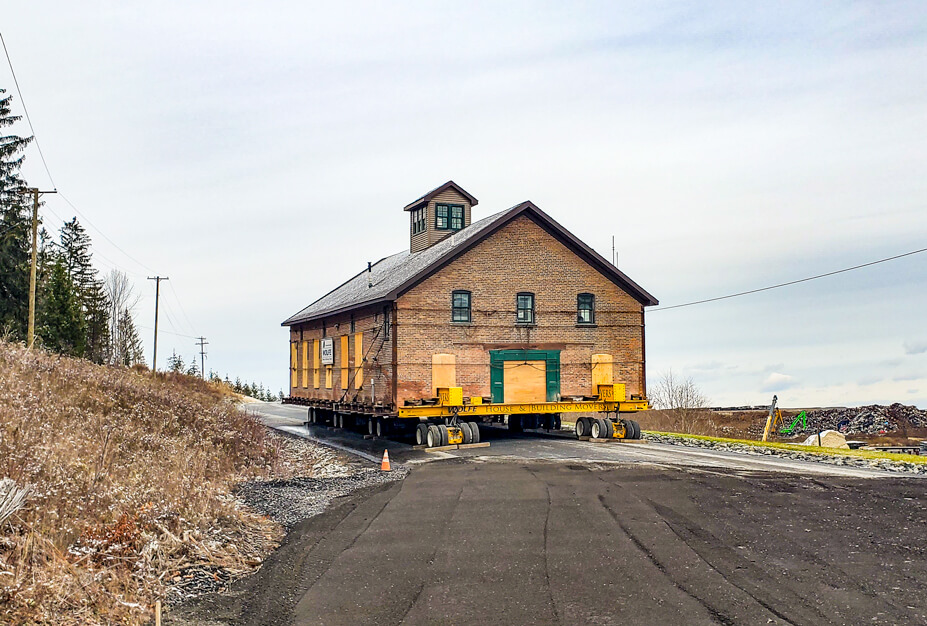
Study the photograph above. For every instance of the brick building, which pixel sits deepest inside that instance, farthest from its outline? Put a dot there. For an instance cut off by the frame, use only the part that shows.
(512, 307)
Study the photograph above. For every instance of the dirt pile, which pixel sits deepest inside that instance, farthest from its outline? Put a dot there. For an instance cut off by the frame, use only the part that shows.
(827, 439)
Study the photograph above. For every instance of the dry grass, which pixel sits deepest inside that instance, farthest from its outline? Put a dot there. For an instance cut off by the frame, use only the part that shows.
(702, 422)
(131, 474)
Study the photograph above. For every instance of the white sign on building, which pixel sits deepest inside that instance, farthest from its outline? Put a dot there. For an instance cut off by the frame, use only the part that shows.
(328, 351)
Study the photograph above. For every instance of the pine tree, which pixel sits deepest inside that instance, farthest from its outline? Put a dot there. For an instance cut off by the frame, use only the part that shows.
(75, 250)
(63, 327)
(194, 369)
(129, 347)
(15, 229)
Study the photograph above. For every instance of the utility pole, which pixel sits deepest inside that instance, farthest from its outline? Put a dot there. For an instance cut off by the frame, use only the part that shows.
(30, 329)
(202, 344)
(157, 279)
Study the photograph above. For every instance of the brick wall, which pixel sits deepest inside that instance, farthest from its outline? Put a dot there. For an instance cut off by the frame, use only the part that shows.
(377, 352)
(521, 256)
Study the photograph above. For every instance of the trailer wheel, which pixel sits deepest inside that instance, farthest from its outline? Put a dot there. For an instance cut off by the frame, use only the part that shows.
(381, 427)
(637, 430)
(433, 439)
(474, 432)
(444, 435)
(599, 429)
(465, 429)
(421, 434)
(515, 424)
(580, 427)
(371, 426)
(556, 424)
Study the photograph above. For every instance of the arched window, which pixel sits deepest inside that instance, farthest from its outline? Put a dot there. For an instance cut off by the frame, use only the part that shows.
(585, 308)
(460, 306)
(524, 308)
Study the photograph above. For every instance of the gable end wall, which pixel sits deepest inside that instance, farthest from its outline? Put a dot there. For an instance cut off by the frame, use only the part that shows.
(521, 256)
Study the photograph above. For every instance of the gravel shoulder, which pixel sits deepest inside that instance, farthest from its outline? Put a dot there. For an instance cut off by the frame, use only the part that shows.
(309, 478)
(901, 467)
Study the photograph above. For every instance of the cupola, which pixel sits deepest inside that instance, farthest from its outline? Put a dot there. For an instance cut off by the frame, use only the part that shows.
(438, 214)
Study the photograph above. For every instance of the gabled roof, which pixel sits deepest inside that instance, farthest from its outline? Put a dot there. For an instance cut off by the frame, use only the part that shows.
(392, 276)
(420, 202)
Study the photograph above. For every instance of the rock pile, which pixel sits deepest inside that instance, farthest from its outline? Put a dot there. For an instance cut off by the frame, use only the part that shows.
(868, 420)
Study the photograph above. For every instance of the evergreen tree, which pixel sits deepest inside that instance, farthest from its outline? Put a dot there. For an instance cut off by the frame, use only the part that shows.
(15, 228)
(63, 327)
(75, 250)
(175, 363)
(129, 348)
(194, 369)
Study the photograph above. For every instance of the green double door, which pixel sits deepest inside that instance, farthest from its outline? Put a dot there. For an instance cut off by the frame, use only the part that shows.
(518, 376)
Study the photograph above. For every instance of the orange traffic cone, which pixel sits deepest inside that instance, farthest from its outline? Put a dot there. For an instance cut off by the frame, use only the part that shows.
(384, 464)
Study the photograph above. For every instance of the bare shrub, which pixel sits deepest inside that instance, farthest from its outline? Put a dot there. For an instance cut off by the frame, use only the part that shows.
(682, 401)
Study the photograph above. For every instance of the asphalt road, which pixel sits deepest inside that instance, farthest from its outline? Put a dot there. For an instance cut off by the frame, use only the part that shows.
(546, 539)
(541, 446)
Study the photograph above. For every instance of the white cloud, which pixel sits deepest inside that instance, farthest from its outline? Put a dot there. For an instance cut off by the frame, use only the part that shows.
(915, 347)
(778, 382)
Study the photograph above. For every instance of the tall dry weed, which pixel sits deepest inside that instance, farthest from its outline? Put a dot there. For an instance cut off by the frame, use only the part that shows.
(130, 472)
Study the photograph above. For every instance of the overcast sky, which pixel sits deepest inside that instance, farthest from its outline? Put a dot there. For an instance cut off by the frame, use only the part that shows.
(260, 153)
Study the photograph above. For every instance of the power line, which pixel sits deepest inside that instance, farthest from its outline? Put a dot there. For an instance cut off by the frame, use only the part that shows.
(161, 330)
(180, 304)
(51, 178)
(26, 111)
(102, 234)
(791, 282)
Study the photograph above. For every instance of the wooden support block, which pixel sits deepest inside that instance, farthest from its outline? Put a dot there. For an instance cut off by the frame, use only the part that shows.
(466, 446)
(441, 448)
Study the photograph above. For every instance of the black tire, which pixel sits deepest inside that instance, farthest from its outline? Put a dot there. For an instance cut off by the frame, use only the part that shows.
(336, 420)
(433, 439)
(444, 436)
(637, 429)
(421, 434)
(598, 430)
(580, 427)
(556, 424)
(381, 427)
(474, 432)
(465, 429)
(371, 426)
(515, 424)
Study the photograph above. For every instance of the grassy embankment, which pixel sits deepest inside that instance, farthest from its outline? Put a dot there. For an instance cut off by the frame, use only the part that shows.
(131, 474)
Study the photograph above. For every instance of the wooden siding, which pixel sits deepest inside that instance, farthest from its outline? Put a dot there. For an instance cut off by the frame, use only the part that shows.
(431, 236)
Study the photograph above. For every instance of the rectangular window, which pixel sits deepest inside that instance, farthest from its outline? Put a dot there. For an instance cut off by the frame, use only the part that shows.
(418, 221)
(524, 308)
(456, 217)
(585, 308)
(449, 216)
(386, 324)
(460, 306)
(315, 363)
(344, 361)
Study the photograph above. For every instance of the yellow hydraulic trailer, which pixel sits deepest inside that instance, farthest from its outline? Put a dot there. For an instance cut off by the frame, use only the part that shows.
(451, 420)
